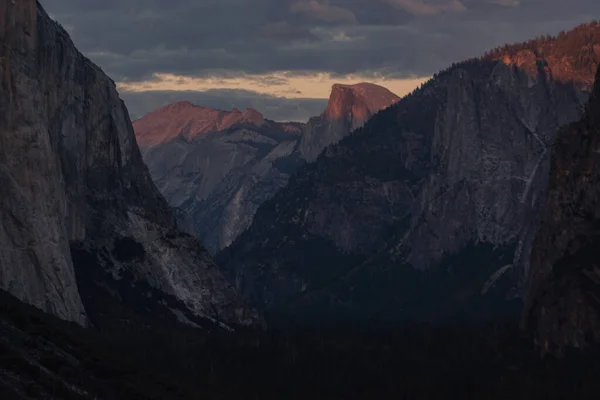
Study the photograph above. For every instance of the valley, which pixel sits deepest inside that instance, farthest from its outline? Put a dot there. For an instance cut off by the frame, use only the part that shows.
(438, 244)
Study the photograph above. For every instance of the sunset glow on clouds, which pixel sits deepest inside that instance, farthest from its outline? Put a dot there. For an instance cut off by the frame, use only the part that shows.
(279, 84)
(255, 53)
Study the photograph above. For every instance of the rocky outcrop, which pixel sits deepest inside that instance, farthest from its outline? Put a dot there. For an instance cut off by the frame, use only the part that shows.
(73, 183)
(447, 180)
(217, 167)
(349, 107)
(563, 301)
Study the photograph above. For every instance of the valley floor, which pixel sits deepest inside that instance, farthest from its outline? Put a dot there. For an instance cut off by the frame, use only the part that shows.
(44, 358)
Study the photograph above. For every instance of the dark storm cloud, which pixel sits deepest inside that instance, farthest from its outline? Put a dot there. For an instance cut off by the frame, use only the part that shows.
(131, 39)
(275, 108)
(323, 11)
(286, 31)
(134, 39)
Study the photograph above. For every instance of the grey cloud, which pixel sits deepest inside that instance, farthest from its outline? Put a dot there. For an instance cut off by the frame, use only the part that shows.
(432, 7)
(323, 11)
(429, 7)
(285, 30)
(275, 108)
(507, 3)
(132, 39)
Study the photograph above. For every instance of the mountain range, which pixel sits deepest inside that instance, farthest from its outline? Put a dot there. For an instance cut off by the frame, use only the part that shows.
(217, 167)
(475, 191)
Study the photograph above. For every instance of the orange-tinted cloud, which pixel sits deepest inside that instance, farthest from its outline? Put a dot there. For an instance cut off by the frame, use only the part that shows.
(282, 84)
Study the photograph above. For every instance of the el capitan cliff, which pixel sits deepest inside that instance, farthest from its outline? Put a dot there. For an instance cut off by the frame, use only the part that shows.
(80, 214)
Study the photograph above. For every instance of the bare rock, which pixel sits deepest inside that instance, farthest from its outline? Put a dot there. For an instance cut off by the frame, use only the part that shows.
(563, 299)
(349, 107)
(72, 175)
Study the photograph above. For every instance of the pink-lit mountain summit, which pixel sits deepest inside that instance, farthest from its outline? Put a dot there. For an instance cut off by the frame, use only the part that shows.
(219, 166)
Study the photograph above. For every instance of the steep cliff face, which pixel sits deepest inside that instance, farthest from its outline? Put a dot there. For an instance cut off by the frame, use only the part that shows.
(216, 166)
(34, 239)
(563, 306)
(349, 107)
(447, 180)
(74, 184)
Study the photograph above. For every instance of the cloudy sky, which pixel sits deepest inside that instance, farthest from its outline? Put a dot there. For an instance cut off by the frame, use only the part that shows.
(282, 56)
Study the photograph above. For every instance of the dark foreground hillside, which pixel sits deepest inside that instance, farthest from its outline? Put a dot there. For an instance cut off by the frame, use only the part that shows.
(42, 357)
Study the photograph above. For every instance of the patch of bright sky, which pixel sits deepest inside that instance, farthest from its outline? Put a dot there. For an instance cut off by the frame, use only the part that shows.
(279, 84)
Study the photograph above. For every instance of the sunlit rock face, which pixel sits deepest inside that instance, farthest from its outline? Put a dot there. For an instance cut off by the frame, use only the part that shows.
(450, 178)
(563, 300)
(189, 121)
(349, 107)
(72, 179)
(217, 167)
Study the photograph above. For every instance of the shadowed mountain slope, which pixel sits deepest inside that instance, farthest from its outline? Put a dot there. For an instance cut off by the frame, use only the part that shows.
(445, 184)
(563, 303)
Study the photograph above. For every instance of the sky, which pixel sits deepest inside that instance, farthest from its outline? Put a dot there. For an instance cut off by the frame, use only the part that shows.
(282, 56)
